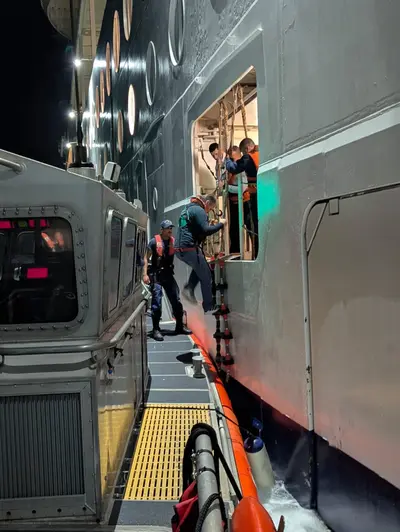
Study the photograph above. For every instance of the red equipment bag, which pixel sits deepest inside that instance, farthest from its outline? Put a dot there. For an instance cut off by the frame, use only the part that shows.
(186, 511)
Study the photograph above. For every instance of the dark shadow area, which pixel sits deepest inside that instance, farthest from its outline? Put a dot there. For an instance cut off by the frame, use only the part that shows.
(185, 358)
(219, 5)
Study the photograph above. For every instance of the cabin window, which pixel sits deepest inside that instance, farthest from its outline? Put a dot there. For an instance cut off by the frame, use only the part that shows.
(151, 73)
(120, 132)
(116, 41)
(129, 270)
(131, 110)
(115, 262)
(176, 30)
(127, 16)
(37, 271)
(141, 247)
(108, 69)
(230, 120)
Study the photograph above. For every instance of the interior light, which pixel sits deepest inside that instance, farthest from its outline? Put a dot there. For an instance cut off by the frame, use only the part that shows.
(71, 114)
(77, 62)
(68, 145)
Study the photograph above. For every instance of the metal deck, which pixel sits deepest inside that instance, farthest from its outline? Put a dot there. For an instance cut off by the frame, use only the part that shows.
(176, 401)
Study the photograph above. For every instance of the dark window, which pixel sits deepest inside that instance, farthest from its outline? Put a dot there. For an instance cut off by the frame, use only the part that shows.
(141, 244)
(37, 271)
(115, 262)
(129, 270)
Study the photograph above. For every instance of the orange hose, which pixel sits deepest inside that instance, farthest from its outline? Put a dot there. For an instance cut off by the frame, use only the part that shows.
(242, 464)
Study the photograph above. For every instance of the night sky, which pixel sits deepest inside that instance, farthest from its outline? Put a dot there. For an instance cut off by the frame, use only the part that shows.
(35, 82)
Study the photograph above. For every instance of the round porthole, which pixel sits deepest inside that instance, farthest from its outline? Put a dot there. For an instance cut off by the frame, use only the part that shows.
(120, 132)
(131, 110)
(102, 92)
(176, 30)
(127, 15)
(97, 99)
(108, 69)
(151, 73)
(116, 41)
(155, 198)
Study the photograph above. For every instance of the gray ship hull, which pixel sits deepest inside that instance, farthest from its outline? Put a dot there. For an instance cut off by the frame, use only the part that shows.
(314, 318)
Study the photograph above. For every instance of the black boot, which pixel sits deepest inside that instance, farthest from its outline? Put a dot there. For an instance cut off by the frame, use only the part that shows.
(181, 328)
(157, 335)
(156, 329)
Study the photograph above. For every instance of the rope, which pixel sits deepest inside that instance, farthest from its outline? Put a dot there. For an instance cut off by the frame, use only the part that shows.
(235, 95)
(207, 505)
(202, 156)
(243, 109)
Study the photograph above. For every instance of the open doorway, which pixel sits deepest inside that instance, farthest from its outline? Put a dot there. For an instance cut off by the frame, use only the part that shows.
(220, 131)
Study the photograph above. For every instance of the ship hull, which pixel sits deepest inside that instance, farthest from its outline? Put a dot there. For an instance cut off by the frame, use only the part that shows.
(314, 317)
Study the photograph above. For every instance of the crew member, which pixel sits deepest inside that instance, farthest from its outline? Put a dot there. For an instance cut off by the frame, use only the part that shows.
(193, 230)
(248, 163)
(219, 157)
(233, 191)
(160, 274)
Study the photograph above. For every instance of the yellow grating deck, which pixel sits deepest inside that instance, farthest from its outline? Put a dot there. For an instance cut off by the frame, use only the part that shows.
(156, 470)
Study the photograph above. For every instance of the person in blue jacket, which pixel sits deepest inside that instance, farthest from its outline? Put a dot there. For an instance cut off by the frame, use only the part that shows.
(193, 230)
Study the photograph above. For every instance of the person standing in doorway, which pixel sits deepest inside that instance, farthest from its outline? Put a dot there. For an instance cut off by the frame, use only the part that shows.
(193, 230)
(249, 164)
(160, 275)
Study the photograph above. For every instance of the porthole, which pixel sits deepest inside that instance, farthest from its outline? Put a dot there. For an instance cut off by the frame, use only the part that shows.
(127, 15)
(102, 92)
(120, 132)
(131, 110)
(97, 99)
(108, 69)
(176, 30)
(151, 73)
(116, 41)
(155, 198)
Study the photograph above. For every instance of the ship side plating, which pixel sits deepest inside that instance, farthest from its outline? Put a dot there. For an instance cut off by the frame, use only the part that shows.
(328, 84)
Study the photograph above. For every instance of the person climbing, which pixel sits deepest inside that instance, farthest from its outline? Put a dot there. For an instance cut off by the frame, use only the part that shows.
(248, 163)
(160, 274)
(193, 230)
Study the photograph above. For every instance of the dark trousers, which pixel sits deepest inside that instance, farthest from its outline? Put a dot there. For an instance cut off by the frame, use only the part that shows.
(234, 229)
(166, 281)
(254, 220)
(200, 273)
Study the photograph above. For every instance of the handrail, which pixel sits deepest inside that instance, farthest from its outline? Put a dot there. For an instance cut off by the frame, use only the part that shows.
(7, 349)
(17, 167)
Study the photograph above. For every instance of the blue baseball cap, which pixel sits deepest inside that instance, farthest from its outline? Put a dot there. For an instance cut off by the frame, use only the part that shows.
(166, 224)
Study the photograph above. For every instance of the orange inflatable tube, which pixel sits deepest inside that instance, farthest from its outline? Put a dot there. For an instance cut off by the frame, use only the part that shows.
(242, 464)
(250, 515)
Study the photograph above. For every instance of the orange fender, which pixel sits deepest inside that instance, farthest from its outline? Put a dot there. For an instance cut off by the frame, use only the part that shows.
(242, 464)
(251, 516)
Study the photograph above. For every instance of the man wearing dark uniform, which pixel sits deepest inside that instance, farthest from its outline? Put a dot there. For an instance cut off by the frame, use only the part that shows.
(160, 275)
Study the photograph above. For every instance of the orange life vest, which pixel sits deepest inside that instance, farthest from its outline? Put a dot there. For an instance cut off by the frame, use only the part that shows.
(199, 201)
(234, 197)
(48, 241)
(253, 180)
(160, 246)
